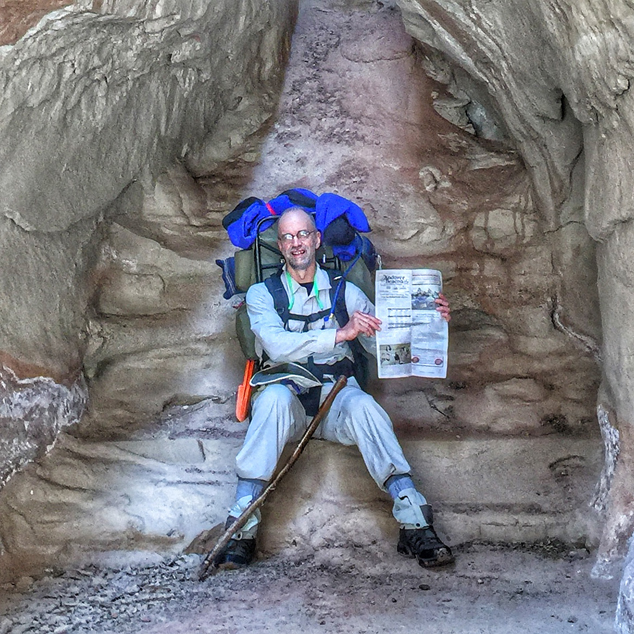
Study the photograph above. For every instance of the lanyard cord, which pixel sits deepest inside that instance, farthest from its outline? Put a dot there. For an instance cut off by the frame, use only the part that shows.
(291, 302)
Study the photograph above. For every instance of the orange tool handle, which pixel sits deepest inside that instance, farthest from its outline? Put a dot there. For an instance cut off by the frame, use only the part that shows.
(243, 401)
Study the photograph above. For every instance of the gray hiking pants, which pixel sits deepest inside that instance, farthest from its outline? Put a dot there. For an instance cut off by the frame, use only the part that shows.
(355, 418)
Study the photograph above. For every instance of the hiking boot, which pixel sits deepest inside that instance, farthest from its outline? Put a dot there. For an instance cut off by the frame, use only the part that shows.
(238, 553)
(424, 544)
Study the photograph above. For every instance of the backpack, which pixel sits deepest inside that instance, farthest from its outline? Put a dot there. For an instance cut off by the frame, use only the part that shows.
(261, 261)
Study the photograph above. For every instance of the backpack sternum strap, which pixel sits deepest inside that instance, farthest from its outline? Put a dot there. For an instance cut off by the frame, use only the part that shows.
(308, 319)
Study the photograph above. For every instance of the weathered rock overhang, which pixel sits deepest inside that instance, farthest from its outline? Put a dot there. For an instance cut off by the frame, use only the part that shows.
(111, 109)
(98, 96)
(558, 77)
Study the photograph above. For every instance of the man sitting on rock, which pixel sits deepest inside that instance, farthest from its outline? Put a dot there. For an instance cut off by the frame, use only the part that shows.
(354, 418)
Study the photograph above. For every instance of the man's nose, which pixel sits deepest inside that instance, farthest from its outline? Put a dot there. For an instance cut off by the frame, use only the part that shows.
(296, 240)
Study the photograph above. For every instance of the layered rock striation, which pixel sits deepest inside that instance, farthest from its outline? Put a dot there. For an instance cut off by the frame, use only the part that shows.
(96, 97)
(131, 127)
(556, 77)
(355, 117)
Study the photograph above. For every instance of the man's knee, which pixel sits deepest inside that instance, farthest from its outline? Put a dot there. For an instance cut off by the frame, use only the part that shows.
(273, 396)
(362, 413)
(356, 400)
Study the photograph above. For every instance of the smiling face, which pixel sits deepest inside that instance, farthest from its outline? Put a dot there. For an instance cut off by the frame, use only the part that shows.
(299, 253)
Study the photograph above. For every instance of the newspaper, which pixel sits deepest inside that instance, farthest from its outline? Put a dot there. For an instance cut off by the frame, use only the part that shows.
(413, 337)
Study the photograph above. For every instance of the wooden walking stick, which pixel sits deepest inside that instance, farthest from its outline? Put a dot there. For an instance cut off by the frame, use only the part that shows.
(207, 566)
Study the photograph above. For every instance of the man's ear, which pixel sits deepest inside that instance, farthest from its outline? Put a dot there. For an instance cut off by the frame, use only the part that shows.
(318, 240)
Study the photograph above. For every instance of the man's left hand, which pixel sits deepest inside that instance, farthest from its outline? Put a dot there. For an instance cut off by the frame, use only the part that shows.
(443, 307)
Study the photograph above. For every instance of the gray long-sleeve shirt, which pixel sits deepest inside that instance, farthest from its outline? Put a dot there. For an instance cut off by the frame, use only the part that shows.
(283, 345)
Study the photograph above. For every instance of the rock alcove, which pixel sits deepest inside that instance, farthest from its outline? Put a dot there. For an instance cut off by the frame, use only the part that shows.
(487, 139)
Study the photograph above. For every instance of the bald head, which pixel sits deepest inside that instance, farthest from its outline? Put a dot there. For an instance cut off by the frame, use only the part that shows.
(293, 216)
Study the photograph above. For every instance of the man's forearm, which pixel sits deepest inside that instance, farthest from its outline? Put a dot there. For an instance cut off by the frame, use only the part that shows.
(282, 345)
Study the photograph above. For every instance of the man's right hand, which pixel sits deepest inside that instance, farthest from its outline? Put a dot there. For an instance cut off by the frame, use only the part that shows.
(359, 323)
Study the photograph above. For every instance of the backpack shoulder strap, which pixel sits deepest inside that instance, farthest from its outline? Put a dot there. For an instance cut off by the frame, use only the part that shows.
(337, 299)
(280, 297)
(338, 296)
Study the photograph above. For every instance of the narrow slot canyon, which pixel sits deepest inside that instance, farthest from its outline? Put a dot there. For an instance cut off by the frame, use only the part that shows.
(488, 140)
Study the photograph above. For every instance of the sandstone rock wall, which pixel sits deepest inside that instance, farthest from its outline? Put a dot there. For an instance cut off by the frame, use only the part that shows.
(524, 336)
(97, 96)
(145, 144)
(161, 331)
(18, 16)
(557, 76)
(32, 413)
(559, 80)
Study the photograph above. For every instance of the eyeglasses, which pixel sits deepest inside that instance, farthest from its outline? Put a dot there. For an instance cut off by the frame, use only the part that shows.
(300, 235)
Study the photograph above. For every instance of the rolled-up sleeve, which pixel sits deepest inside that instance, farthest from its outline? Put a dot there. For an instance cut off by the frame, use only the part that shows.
(282, 345)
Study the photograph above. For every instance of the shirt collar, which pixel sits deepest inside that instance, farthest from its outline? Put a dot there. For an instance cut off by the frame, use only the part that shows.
(323, 281)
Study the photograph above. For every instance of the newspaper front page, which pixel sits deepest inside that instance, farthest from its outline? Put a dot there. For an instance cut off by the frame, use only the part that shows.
(413, 338)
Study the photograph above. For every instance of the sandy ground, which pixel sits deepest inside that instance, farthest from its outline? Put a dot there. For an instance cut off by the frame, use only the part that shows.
(490, 589)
